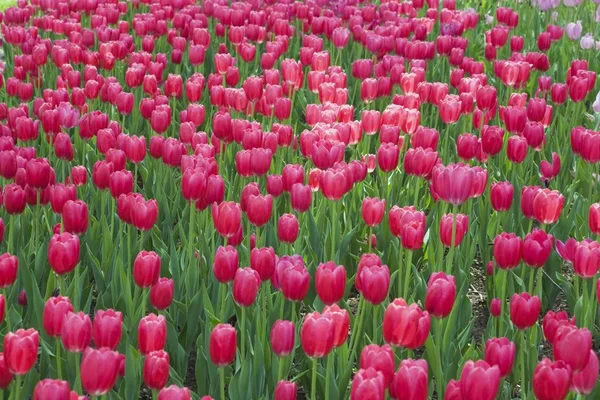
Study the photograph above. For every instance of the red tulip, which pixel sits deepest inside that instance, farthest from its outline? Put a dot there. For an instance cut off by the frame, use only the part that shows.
(22, 298)
(453, 183)
(408, 224)
(516, 149)
(292, 174)
(368, 384)
(584, 380)
(441, 293)
(501, 196)
(495, 307)
(285, 391)
(524, 310)
(462, 226)
(63, 252)
(572, 345)
(38, 173)
(99, 370)
(404, 325)
(20, 350)
(317, 334)
(379, 358)
(176, 393)
(156, 369)
(420, 162)
(120, 182)
(274, 185)
(508, 250)
(410, 381)
(161, 294)
(537, 247)
(193, 184)
(8, 270)
(283, 336)
(387, 156)
(60, 194)
(227, 218)
(146, 269)
(55, 310)
(152, 333)
(287, 228)
(292, 278)
(586, 258)
(551, 380)
(553, 321)
(372, 279)
(222, 346)
(453, 390)
(528, 194)
(226, 263)
(501, 353)
(547, 206)
(107, 328)
(300, 197)
(479, 381)
(75, 216)
(52, 389)
(245, 286)
(341, 323)
(330, 282)
(76, 333)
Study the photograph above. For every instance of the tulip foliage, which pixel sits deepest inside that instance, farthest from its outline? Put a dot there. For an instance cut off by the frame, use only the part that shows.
(299, 199)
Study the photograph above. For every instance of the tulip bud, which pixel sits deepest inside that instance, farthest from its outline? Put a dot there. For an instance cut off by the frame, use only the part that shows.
(146, 269)
(441, 293)
(330, 282)
(8, 269)
(501, 196)
(76, 333)
(152, 333)
(156, 369)
(495, 307)
(373, 211)
(501, 353)
(287, 228)
(245, 286)
(524, 310)
(556, 372)
(107, 328)
(161, 294)
(226, 263)
(317, 334)
(508, 250)
(63, 252)
(222, 346)
(282, 337)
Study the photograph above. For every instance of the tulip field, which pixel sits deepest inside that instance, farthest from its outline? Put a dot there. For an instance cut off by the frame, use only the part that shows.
(310, 199)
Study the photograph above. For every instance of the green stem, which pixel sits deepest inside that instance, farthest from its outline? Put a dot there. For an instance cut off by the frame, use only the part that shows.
(356, 335)
(223, 294)
(333, 229)
(523, 366)
(222, 382)
(280, 369)
(375, 323)
(504, 275)
(327, 372)
(263, 296)
(58, 359)
(17, 385)
(452, 240)
(281, 307)
(313, 389)
(439, 381)
(11, 230)
(369, 238)
(407, 274)
(531, 275)
(585, 303)
(402, 250)
(243, 334)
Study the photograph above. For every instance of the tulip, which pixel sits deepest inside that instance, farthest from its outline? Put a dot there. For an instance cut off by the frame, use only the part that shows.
(8, 270)
(495, 307)
(285, 391)
(387, 156)
(373, 281)
(553, 321)
(379, 358)
(528, 194)
(99, 370)
(51, 389)
(76, 333)
(586, 258)
(75, 216)
(462, 226)
(226, 263)
(410, 381)
(551, 380)
(59, 195)
(453, 390)
(274, 185)
(38, 173)
(404, 325)
(14, 199)
(107, 328)
(156, 369)
(222, 345)
(63, 252)
(282, 337)
(441, 294)
(22, 298)
(55, 310)
(152, 333)
(501, 353)
(479, 381)
(300, 197)
(368, 384)
(453, 183)
(20, 350)
(537, 247)
(287, 228)
(146, 269)
(524, 310)
(501, 196)
(330, 282)
(227, 218)
(341, 323)
(508, 250)
(161, 294)
(176, 393)
(547, 206)
(572, 346)
(584, 380)
(317, 334)
(245, 286)
(409, 225)
(292, 278)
